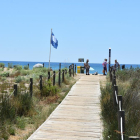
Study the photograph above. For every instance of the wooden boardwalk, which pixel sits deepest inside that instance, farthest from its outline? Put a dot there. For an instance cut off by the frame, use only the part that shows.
(77, 117)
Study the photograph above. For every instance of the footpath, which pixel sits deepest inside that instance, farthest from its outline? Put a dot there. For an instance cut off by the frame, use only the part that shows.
(78, 115)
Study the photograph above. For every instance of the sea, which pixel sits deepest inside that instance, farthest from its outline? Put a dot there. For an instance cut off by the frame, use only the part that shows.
(94, 67)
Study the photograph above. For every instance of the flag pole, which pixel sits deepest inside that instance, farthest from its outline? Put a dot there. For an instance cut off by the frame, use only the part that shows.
(50, 49)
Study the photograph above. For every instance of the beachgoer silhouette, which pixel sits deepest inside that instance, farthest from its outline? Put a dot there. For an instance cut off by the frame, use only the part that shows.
(104, 66)
(87, 67)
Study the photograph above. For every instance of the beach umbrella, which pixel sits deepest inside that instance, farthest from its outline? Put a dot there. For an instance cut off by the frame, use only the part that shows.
(38, 66)
(91, 68)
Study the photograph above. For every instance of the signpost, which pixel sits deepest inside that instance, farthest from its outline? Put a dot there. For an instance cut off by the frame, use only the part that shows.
(81, 60)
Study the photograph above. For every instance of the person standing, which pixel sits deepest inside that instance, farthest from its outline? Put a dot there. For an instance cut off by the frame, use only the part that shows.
(104, 66)
(87, 67)
(116, 65)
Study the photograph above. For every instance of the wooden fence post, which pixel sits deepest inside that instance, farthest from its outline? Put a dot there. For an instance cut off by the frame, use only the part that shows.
(40, 82)
(28, 65)
(114, 81)
(75, 68)
(123, 66)
(31, 87)
(115, 95)
(48, 75)
(121, 124)
(111, 77)
(70, 71)
(109, 57)
(15, 90)
(119, 102)
(59, 76)
(63, 75)
(110, 72)
(134, 138)
(53, 78)
(114, 72)
(43, 65)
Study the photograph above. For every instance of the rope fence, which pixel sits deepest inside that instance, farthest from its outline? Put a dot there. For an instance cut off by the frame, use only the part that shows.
(119, 104)
(60, 75)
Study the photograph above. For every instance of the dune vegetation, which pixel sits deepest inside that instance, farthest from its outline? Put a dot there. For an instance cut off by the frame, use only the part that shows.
(128, 81)
(22, 114)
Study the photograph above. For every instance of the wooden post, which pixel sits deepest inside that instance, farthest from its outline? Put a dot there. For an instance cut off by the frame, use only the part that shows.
(59, 76)
(40, 82)
(109, 58)
(70, 71)
(119, 102)
(111, 77)
(121, 127)
(15, 90)
(31, 87)
(114, 78)
(110, 72)
(48, 75)
(62, 75)
(75, 68)
(134, 138)
(28, 65)
(43, 65)
(114, 81)
(53, 78)
(123, 66)
(115, 96)
(114, 72)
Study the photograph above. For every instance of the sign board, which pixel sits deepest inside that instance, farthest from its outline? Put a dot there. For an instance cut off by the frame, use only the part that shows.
(81, 60)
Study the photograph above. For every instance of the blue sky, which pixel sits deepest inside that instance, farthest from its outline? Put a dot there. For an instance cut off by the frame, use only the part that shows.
(84, 29)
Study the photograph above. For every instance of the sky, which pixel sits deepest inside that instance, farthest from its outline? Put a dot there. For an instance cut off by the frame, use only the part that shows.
(84, 29)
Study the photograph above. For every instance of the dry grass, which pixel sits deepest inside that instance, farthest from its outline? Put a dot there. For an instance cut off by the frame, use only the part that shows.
(128, 82)
(44, 107)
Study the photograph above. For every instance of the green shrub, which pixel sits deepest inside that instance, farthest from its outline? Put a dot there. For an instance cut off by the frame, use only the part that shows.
(18, 79)
(2, 65)
(49, 90)
(1, 69)
(4, 74)
(21, 123)
(7, 110)
(41, 70)
(11, 130)
(18, 67)
(24, 72)
(10, 65)
(23, 103)
(26, 67)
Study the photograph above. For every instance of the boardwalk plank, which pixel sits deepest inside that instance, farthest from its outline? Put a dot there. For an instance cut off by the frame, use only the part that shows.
(77, 117)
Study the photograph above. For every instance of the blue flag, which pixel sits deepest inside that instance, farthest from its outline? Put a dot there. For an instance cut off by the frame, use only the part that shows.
(54, 41)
